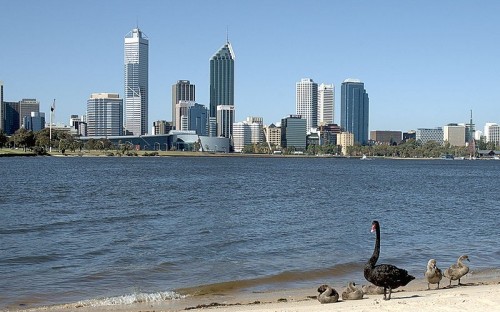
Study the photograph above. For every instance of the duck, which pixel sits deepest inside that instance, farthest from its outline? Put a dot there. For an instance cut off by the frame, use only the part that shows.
(433, 275)
(352, 292)
(384, 275)
(327, 294)
(458, 270)
(371, 289)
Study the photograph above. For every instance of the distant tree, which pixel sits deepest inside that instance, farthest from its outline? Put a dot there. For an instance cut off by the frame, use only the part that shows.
(24, 138)
(3, 138)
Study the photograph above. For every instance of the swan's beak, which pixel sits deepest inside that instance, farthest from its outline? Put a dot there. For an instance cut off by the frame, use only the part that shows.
(373, 229)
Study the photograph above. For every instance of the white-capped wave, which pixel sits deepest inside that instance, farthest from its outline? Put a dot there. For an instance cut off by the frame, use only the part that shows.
(131, 298)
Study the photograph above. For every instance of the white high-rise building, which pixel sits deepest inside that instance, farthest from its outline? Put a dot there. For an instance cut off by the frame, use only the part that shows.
(104, 114)
(326, 104)
(225, 120)
(306, 102)
(492, 132)
(246, 133)
(136, 83)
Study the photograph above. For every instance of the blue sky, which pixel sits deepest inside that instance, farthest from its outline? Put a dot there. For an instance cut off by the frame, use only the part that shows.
(424, 63)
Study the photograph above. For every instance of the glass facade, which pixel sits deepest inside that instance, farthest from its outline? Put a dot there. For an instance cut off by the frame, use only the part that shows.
(183, 90)
(136, 82)
(354, 110)
(306, 102)
(104, 115)
(221, 78)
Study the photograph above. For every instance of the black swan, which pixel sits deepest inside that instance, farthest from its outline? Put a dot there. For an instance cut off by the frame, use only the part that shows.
(384, 275)
(327, 294)
(433, 275)
(457, 271)
(352, 292)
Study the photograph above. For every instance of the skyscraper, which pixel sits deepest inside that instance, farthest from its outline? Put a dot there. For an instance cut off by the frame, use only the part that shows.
(183, 90)
(136, 82)
(2, 108)
(306, 102)
(354, 108)
(221, 78)
(26, 107)
(326, 104)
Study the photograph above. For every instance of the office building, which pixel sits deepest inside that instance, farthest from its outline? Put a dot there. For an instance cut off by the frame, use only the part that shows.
(345, 139)
(34, 122)
(454, 134)
(198, 119)
(386, 137)
(136, 83)
(354, 110)
(293, 132)
(78, 125)
(12, 122)
(326, 104)
(424, 135)
(328, 134)
(104, 115)
(183, 90)
(181, 109)
(26, 107)
(161, 127)
(2, 108)
(222, 78)
(225, 120)
(492, 133)
(306, 102)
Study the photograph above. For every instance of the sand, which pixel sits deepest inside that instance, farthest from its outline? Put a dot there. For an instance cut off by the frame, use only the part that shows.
(477, 294)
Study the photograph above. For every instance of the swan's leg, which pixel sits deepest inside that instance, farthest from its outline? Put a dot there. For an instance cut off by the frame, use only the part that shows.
(390, 292)
(438, 285)
(428, 286)
(384, 293)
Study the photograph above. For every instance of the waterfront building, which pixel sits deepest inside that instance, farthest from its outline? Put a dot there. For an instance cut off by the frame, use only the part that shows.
(306, 102)
(328, 134)
(181, 109)
(136, 82)
(293, 132)
(222, 78)
(26, 107)
(246, 133)
(410, 135)
(34, 122)
(225, 120)
(212, 126)
(272, 134)
(492, 133)
(104, 114)
(12, 121)
(424, 135)
(198, 119)
(326, 104)
(345, 139)
(161, 127)
(386, 137)
(454, 134)
(183, 90)
(354, 110)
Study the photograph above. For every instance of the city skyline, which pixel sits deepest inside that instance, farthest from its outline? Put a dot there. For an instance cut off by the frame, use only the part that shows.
(418, 74)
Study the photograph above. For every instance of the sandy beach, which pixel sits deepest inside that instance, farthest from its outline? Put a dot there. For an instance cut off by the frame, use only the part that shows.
(478, 293)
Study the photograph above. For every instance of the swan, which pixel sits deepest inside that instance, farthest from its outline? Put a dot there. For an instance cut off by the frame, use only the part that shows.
(384, 275)
(327, 294)
(371, 289)
(457, 271)
(433, 275)
(352, 292)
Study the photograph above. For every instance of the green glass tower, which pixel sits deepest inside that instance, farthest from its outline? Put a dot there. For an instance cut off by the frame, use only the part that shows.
(221, 78)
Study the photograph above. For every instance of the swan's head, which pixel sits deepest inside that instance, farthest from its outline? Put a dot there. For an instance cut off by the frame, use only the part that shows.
(322, 288)
(375, 226)
(464, 257)
(431, 264)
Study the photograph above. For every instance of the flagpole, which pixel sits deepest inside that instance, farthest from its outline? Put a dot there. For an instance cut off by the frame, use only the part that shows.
(50, 125)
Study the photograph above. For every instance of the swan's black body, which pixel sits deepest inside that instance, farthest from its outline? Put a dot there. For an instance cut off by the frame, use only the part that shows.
(384, 275)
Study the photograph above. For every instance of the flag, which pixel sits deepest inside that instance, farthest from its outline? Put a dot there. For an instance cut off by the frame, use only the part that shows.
(53, 107)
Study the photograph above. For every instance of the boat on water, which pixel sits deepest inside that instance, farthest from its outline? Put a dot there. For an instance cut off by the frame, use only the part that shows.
(365, 158)
(447, 157)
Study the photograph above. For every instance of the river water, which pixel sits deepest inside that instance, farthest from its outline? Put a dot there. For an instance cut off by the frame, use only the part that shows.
(110, 230)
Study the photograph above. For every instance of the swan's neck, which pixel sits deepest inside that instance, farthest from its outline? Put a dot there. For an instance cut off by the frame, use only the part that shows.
(373, 260)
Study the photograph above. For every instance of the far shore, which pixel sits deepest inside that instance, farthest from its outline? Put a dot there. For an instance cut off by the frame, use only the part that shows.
(477, 293)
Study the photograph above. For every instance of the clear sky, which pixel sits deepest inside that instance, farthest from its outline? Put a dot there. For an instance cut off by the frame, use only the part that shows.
(424, 63)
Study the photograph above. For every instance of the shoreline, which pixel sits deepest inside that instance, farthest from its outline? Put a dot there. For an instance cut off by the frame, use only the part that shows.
(479, 292)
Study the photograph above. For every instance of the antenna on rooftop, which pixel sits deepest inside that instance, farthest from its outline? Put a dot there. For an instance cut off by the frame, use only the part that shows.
(227, 34)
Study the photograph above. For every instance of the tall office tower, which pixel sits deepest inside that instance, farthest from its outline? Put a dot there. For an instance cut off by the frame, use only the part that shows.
(181, 109)
(326, 104)
(26, 106)
(2, 108)
(104, 114)
(12, 121)
(183, 90)
(306, 102)
(222, 78)
(198, 119)
(34, 122)
(136, 83)
(225, 120)
(354, 109)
